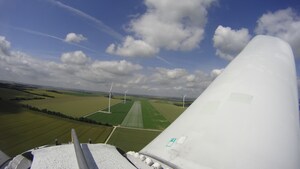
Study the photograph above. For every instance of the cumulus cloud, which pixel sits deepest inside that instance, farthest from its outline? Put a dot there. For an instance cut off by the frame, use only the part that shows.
(132, 48)
(171, 73)
(284, 24)
(77, 70)
(122, 67)
(75, 38)
(4, 45)
(76, 57)
(171, 25)
(177, 81)
(230, 42)
(216, 72)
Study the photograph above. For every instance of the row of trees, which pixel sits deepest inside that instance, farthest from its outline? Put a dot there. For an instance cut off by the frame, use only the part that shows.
(28, 98)
(59, 114)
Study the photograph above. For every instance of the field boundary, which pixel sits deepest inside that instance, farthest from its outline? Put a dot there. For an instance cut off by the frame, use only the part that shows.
(111, 133)
(135, 128)
(99, 111)
(134, 117)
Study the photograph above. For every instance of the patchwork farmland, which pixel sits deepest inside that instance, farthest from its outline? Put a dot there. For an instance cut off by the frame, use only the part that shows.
(119, 111)
(135, 123)
(134, 117)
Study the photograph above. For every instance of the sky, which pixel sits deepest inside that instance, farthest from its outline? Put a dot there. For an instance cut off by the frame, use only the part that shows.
(153, 47)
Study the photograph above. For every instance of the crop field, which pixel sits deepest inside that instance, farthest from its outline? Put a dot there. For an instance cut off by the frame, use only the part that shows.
(11, 93)
(169, 111)
(22, 130)
(119, 111)
(152, 118)
(134, 117)
(72, 105)
(132, 139)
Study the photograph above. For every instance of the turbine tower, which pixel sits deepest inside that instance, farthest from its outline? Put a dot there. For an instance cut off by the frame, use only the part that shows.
(183, 100)
(109, 97)
(125, 96)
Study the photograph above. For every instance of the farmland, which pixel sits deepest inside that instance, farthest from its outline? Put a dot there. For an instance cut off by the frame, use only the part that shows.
(152, 118)
(72, 105)
(22, 130)
(132, 139)
(169, 111)
(134, 117)
(119, 112)
(136, 122)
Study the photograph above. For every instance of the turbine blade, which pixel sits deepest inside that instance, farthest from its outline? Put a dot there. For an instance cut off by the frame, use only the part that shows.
(111, 87)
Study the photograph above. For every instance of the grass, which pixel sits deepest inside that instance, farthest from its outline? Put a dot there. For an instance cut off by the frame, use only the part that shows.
(7, 94)
(22, 129)
(131, 139)
(119, 111)
(134, 117)
(72, 105)
(152, 118)
(169, 111)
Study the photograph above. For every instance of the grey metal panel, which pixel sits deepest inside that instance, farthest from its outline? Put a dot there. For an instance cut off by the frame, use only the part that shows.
(246, 119)
(78, 151)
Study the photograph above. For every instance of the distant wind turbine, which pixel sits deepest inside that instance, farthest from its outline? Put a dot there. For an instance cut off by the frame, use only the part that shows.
(183, 100)
(125, 96)
(109, 97)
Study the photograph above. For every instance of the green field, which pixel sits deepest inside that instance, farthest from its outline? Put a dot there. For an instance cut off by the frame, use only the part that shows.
(169, 111)
(72, 105)
(7, 94)
(22, 130)
(119, 111)
(152, 118)
(131, 139)
(134, 117)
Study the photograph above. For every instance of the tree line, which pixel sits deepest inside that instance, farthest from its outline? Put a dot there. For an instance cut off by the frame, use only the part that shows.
(59, 114)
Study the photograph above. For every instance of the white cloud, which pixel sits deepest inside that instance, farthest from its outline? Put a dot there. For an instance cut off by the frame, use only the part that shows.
(76, 70)
(52, 37)
(99, 24)
(284, 24)
(75, 38)
(171, 73)
(230, 42)
(76, 57)
(132, 48)
(122, 67)
(170, 24)
(4, 45)
(216, 72)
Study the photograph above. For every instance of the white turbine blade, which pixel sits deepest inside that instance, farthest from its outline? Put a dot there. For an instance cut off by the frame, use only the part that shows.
(111, 86)
(126, 91)
(248, 118)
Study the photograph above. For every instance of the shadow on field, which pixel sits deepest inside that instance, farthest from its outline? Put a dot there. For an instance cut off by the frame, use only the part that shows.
(8, 107)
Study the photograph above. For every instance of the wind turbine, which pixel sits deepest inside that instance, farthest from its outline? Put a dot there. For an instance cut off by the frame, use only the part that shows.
(125, 96)
(109, 97)
(183, 100)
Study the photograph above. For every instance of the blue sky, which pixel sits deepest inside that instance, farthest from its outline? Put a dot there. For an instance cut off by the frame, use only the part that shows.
(158, 47)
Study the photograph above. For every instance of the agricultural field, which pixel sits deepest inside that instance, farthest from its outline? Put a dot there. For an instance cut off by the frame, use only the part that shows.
(8, 94)
(119, 111)
(168, 110)
(134, 117)
(153, 119)
(71, 105)
(22, 129)
(137, 122)
(132, 139)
